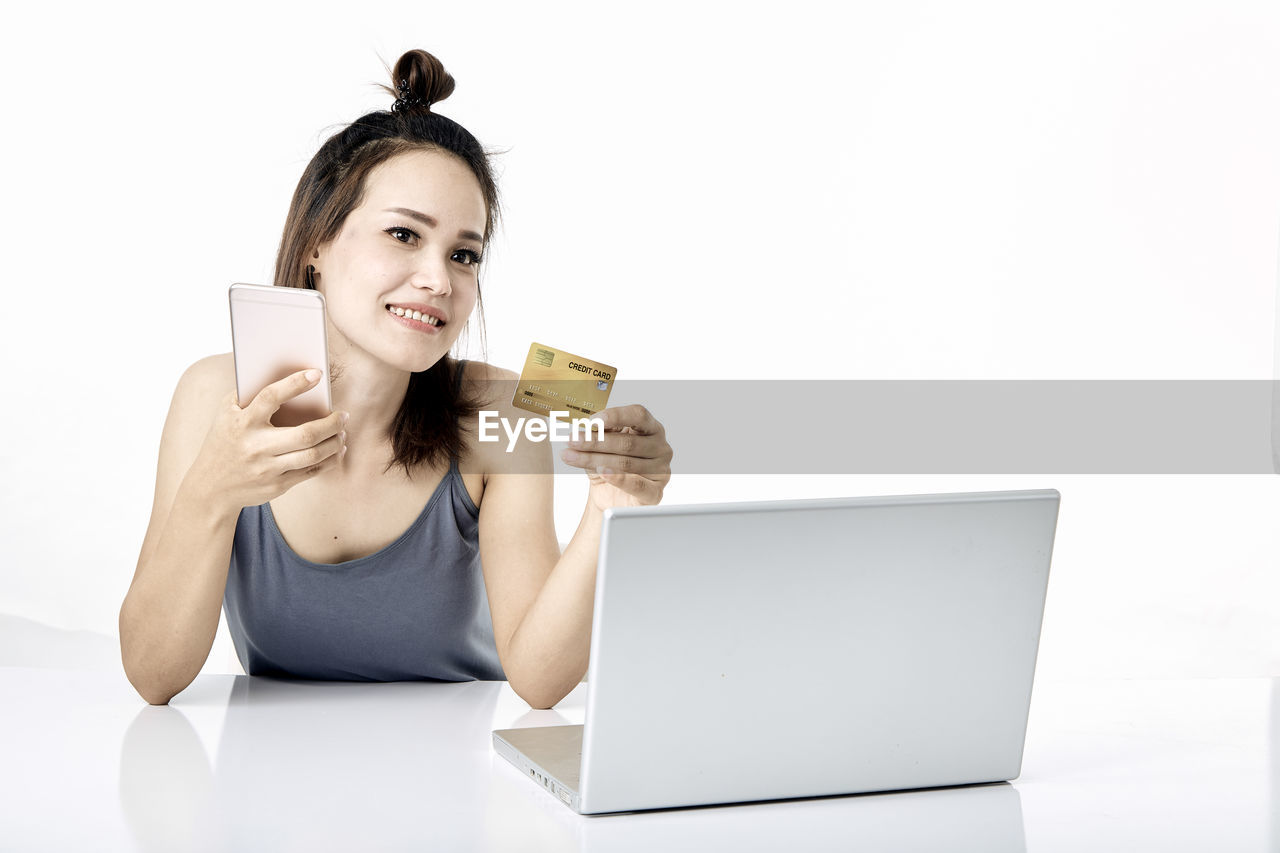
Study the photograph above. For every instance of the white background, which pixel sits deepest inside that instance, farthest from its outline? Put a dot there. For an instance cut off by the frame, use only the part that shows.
(907, 190)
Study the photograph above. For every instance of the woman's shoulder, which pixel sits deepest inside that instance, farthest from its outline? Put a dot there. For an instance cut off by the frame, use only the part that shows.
(217, 370)
(494, 387)
(200, 390)
(205, 382)
(481, 371)
(488, 383)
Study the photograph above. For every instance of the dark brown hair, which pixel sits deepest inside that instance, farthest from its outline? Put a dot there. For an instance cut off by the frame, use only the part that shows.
(428, 427)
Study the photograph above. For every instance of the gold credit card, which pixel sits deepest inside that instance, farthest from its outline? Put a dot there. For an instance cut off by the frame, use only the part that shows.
(556, 381)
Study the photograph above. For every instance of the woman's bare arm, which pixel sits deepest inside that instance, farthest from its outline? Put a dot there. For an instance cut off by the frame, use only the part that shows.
(215, 458)
(541, 600)
(170, 614)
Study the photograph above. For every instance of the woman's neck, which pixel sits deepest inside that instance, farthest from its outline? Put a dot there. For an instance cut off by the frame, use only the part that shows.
(371, 393)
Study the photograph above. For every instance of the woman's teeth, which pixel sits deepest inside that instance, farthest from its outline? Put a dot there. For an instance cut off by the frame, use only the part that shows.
(414, 315)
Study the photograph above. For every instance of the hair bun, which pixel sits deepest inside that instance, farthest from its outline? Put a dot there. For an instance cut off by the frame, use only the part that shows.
(418, 81)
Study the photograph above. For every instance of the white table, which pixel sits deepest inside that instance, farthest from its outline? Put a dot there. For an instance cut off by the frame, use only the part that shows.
(237, 763)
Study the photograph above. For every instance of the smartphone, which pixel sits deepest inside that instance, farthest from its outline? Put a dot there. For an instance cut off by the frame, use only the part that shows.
(276, 331)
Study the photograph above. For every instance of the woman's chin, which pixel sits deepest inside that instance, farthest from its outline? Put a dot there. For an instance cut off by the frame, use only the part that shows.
(417, 362)
(410, 359)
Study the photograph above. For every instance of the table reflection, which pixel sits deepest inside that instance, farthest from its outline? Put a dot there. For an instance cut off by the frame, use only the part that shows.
(320, 765)
(333, 765)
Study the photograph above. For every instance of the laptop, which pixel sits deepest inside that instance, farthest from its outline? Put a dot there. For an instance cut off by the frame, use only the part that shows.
(772, 650)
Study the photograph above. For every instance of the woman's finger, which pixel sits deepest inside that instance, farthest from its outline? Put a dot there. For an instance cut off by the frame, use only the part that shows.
(623, 444)
(289, 479)
(311, 456)
(272, 397)
(635, 416)
(626, 464)
(283, 440)
(648, 492)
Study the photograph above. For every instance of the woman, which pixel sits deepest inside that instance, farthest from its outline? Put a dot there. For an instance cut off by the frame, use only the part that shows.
(352, 546)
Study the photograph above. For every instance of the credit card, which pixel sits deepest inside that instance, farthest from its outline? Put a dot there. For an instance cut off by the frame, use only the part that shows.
(557, 381)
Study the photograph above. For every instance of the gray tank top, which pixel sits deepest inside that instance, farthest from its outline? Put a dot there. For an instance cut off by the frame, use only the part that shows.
(415, 610)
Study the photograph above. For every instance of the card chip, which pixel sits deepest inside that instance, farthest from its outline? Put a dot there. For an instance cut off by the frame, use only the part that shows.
(543, 357)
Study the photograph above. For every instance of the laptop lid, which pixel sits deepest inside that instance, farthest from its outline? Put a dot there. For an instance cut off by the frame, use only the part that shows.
(783, 649)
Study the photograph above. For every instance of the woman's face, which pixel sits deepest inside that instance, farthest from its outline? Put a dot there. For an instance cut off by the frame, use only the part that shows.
(412, 244)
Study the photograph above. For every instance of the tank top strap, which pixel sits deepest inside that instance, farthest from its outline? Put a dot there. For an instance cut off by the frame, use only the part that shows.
(457, 377)
(459, 368)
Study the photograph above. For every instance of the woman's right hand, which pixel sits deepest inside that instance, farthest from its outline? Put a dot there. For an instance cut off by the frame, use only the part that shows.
(246, 460)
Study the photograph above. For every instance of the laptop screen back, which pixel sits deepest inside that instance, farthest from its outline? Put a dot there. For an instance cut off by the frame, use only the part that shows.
(801, 648)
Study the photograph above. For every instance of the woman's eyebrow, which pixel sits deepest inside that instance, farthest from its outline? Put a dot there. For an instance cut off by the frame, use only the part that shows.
(430, 222)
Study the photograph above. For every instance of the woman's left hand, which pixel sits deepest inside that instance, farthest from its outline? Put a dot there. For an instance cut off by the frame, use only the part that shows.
(631, 465)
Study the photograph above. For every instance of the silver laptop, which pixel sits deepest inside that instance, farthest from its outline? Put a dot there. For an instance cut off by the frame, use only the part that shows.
(771, 650)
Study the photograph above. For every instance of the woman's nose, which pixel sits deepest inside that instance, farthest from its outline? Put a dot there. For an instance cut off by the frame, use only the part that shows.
(433, 276)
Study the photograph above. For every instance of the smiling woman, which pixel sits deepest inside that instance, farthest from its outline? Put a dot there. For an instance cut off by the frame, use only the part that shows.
(385, 256)
(356, 198)
(383, 541)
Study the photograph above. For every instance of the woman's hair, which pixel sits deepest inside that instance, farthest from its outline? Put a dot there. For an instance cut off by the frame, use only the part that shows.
(428, 427)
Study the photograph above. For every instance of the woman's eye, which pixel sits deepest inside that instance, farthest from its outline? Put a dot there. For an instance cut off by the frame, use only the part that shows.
(467, 257)
(404, 235)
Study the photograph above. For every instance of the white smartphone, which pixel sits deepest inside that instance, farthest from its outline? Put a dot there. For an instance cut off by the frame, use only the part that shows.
(276, 331)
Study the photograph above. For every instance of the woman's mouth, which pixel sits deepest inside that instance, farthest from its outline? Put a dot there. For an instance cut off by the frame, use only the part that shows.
(416, 319)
